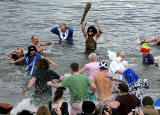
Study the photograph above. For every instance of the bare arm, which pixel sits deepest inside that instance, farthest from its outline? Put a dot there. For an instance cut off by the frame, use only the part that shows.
(53, 84)
(115, 104)
(17, 61)
(99, 27)
(83, 29)
(120, 72)
(46, 43)
(50, 62)
(9, 54)
(31, 83)
(82, 70)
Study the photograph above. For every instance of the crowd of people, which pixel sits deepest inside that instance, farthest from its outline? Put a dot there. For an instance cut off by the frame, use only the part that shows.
(107, 89)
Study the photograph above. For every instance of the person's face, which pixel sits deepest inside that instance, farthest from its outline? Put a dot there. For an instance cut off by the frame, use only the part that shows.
(63, 28)
(33, 52)
(35, 40)
(19, 53)
(90, 32)
(122, 55)
(145, 53)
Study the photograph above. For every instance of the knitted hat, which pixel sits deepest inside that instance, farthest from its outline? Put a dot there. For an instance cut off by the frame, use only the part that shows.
(5, 108)
(88, 107)
(145, 48)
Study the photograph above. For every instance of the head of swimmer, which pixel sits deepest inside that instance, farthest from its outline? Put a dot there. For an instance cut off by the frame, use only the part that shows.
(35, 39)
(63, 28)
(32, 50)
(121, 54)
(145, 53)
(91, 31)
(19, 52)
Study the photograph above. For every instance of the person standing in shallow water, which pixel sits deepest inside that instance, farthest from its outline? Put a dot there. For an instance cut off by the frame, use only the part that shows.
(91, 36)
(40, 78)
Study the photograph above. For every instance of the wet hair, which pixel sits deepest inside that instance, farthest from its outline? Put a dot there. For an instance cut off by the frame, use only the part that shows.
(123, 87)
(147, 100)
(20, 49)
(42, 64)
(24, 112)
(64, 25)
(94, 30)
(43, 110)
(58, 93)
(74, 66)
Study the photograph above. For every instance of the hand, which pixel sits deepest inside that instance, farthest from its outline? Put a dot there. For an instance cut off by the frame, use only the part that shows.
(49, 83)
(11, 62)
(61, 79)
(156, 65)
(55, 64)
(96, 21)
(24, 91)
(44, 49)
(58, 110)
(140, 112)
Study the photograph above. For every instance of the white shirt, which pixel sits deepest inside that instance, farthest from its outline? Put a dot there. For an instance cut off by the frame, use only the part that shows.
(115, 66)
(65, 34)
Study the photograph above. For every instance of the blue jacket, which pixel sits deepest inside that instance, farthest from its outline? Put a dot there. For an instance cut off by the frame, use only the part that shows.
(70, 34)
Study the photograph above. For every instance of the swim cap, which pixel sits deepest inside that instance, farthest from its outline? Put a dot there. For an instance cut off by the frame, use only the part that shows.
(145, 48)
(103, 65)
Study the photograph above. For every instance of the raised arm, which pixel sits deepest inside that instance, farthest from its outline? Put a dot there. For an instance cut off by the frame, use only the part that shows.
(99, 28)
(83, 29)
(9, 54)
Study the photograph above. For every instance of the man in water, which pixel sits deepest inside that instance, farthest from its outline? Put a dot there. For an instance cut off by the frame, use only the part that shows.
(64, 33)
(148, 59)
(78, 85)
(16, 54)
(38, 44)
(103, 84)
(117, 67)
(91, 36)
(31, 58)
(155, 39)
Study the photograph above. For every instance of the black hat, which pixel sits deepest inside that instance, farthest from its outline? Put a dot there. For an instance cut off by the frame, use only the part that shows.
(5, 108)
(88, 107)
(32, 48)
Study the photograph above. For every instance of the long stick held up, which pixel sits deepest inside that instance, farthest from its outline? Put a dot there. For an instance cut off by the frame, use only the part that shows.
(88, 6)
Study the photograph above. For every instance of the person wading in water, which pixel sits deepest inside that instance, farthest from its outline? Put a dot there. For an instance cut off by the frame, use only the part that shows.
(91, 36)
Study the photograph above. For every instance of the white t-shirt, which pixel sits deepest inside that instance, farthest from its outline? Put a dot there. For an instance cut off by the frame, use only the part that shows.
(114, 66)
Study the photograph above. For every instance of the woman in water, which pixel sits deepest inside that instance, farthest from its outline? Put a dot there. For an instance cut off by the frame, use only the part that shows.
(42, 75)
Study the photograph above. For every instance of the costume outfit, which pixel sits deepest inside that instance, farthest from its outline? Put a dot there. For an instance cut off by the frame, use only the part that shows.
(31, 62)
(63, 36)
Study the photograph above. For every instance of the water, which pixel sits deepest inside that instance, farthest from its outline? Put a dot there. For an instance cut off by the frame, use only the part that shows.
(123, 21)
